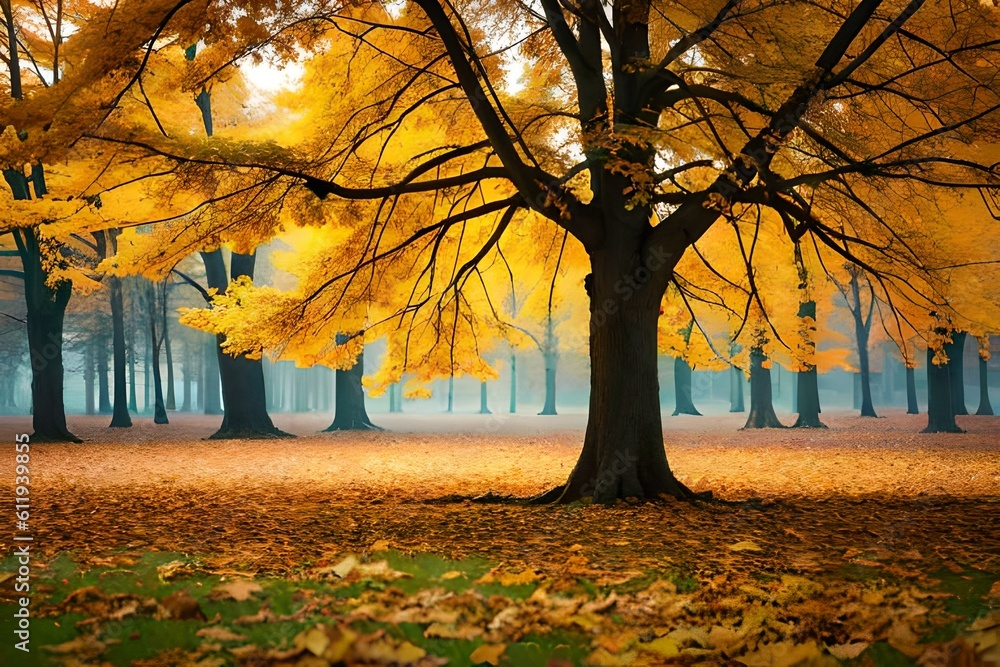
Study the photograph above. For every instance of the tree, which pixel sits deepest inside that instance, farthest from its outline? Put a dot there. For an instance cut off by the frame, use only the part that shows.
(678, 128)
(940, 409)
(156, 311)
(861, 308)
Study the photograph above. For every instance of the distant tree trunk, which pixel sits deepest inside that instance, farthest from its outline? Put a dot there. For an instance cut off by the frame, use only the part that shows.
(133, 400)
(862, 330)
(103, 388)
(88, 379)
(301, 403)
(940, 412)
(684, 405)
(211, 396)
(451, 393)
(484, 408)
(761, 404)
(550, 354)
(513, 383)
(171, 402)
(807, 381)
(911, 392)
(120, 417)
(985, 408)
(243, 394)
(956, 370)
(888, 388)
(736, 381)
(350, 413)
(147, 362)
(159, 409)
(186, 372)
(394, 398)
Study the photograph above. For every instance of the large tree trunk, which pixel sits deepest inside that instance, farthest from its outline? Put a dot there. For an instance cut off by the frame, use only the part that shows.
(985, 408)
(912, 408)
(120, 417)
(243, 394)
(761, 403)
(350, 413)
(736, 381)
(46, 310)
(103, 388)
(956, 370)
(683, 403)
(623, 454)
(940, 412)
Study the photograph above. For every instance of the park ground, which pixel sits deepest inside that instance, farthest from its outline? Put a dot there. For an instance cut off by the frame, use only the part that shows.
(865, 543)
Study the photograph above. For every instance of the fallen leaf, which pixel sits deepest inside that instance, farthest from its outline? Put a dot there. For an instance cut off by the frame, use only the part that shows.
(240, 590)
(487, 653)
(220, 634)
(745, 545)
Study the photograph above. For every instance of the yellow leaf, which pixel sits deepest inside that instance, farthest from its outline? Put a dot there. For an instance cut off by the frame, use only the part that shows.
(487, 653)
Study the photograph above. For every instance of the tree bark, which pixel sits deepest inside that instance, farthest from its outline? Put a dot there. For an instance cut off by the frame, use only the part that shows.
(683, 403)
(985, 408)
(940, 412)
(736, 380)
(120, 417)
(761, 403)
(623, 454)
(350, 413)
(956, 370)
(244, 396)
(912, 408)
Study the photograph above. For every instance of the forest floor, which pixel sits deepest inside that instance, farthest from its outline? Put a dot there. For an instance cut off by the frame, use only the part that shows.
(865, 543)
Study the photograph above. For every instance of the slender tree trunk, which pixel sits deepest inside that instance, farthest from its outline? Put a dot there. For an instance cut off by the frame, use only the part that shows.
(985, 408)
(89, 377)
(394, 406)
(103, 388)
(171, 402)
(211, 396)
(120, 417)
(911, 392)
(761, 403)
(243, 394)
(551, 367)
(186, 372)
(451, 393)
(867, 406)
(159, 409)
(133, 399)
(147, 363)
(484, 407)
(623, 454)
(956, 370)
(513, 383)
(940, 412)
(350, 413)
(888, 390)
(683, 403)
